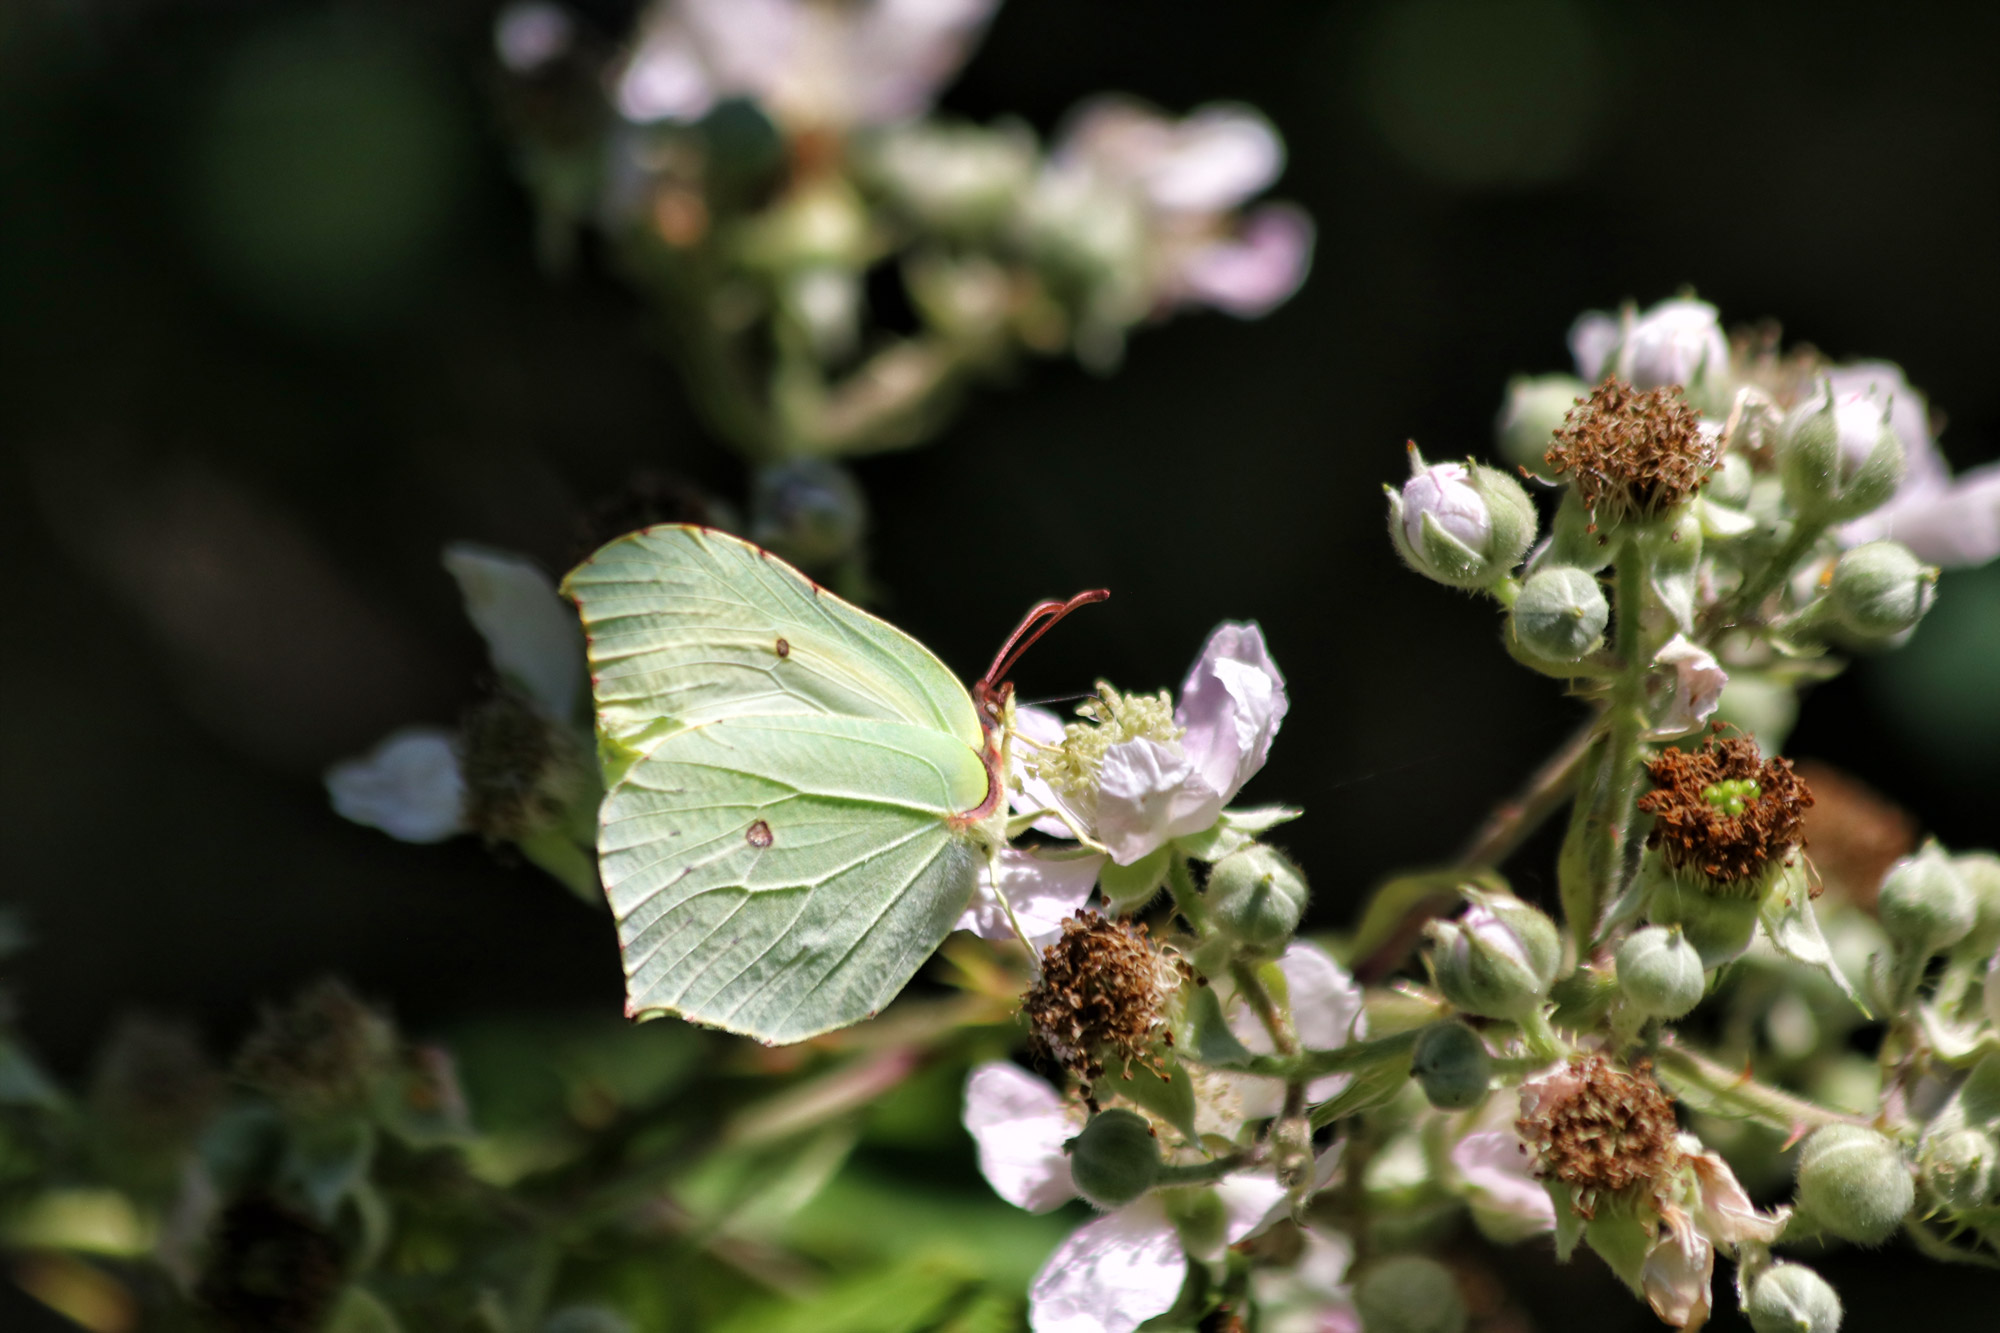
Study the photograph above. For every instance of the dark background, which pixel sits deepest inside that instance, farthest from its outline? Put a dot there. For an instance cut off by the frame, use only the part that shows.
(272, 331)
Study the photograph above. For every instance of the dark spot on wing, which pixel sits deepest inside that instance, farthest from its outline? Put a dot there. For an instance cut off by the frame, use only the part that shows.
(758, 834)
(784, 649)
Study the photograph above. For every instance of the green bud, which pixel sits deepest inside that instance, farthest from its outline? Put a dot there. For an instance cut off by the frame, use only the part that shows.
(1115, 1159)
(1463, 524)
(1880, 590)
(1958, 1167)
(1256, 896)
(1535, 406)
(1408, 1293)
(1560, 614)
(1853, 1182)
(1718, 925)
(1452, 1066)
(1925, 905)
(1791, 1298)
(1730, 482)
(1498, 958)
(1839, 457)
(1660, 972)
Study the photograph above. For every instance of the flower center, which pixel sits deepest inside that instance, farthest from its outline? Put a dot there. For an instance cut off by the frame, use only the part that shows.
(1732, 795)
(1099, 996)
(1724, 810)
(1632, 454)
(1599, 1129)
(1107, 719)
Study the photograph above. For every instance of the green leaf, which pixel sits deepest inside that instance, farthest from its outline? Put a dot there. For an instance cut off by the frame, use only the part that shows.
(1381, 1072)
(1203, 1034)
(1127, 888)
(1234, 830)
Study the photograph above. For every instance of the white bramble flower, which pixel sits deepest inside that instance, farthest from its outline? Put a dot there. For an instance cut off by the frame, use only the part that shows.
(1953, 522)
(1697, 686)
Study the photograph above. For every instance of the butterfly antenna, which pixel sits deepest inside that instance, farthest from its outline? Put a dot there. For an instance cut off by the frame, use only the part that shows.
(1041, 618)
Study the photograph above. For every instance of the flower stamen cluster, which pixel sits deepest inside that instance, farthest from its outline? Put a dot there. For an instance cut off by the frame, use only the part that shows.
(1600, 1130)
(1631, 453)
(1108, 719)
(1100, 995)
(1724, 810)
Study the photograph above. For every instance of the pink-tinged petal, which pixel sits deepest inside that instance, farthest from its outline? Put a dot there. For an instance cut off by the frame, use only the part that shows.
(1232, 704)
(1020, 1124)
(1955, 524)
(1044, 727)
(1213, 160)
(902, 52)
(1256, 270)
(1044, 889)
(1148, 792)
(1312, 1295)
(692, 54)
(1111, 1275)
(529, 35)
(1591, 339)
(1727, 1214)
(1676, 1277)
(665, 78)
(1697, 685)
(1251, 1201)
(409, 786)
(531, 633)
(1498, 1169)
(1327, 1008)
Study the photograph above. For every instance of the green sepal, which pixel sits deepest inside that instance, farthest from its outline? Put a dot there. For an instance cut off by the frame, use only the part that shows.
(1571, 540)
(1622, 1241)
(1203, 1034)
(1126, 889)
(1672, 553)
(1171, 1098)
(1569, 1225)
(1979, 1096)
(1793, 929)
(1233, 830)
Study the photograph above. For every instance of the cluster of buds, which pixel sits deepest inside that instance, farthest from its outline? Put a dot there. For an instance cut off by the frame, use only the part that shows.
(841, 260)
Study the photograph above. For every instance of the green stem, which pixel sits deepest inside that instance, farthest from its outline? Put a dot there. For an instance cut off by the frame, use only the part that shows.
(1805, 532)
(1199, 1173)
(1275, 1020)
(1309, 1065)
(1741, 1093)
(1607, 822)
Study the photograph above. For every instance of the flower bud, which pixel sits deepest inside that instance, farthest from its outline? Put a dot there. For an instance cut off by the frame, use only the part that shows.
(1451, 1065)
(1880, 590)
(1560, 615)
(1925, 905)
(1791, 1298)
(1718, 925)
(1256, 896)
(1678, 341)
(1958, 1167)
(1981, 873)
(1660, 972)
(1465, 525)
(1115, 1159)
(1497, 959)
(809, 511)
(1408, 1293)
(1839, 456)
(1853, 1182)
(1535, 406)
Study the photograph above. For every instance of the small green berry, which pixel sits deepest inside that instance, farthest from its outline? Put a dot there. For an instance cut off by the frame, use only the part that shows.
(1660, 972)
(1791, 1298)
(1958, 1167)
(1452, 1066)
(1925, 904)
(1854, 1182)
(1257, 896)
(1560, 614)
(1115, 1159)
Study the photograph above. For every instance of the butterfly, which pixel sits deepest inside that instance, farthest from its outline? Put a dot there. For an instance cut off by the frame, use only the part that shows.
(800, 798)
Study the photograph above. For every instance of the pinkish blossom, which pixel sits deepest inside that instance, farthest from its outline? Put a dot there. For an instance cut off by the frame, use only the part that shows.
(1949, 521)
(1150, 790)
(1497, 1172)
(811, 65)
(1696, 686)
(1675, 342)
(1044, 887)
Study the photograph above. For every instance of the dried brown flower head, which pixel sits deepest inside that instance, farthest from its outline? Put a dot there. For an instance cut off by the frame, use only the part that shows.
(1102, 985)
(1724, 810)
(520, 768)
(1600, 1130)
(322, 1055)
(1631, 453)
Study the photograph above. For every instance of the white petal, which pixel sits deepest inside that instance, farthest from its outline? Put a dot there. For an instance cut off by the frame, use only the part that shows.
(1232, 703)
(1676, 1276)
(665, 78)
(1591, 339)
(1214, 160)
(1697, 686)
(529, 34)
(409, 786)
(1020, 1124)
(1256, 270)
(1043, 726)
(1498, 1168)
(1045, 889)
(1111, 1275)
(1956, 524)
(1327, 1008)
(531, 633)
(1148, 792)
(903, 51)
(1250, 1202)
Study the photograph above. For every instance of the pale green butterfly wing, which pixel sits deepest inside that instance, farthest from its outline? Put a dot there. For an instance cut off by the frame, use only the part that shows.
(781, 877)
(784, 846)
(688, 625)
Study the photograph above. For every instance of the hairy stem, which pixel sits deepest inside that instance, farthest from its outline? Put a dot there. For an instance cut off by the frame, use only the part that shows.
(1739, 1092)
(1265, 1005)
